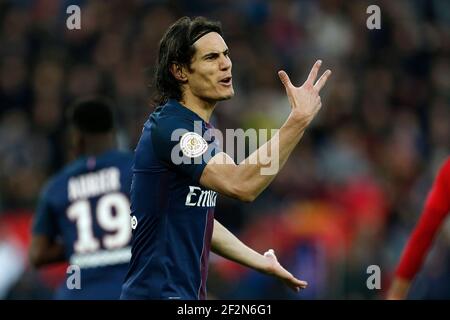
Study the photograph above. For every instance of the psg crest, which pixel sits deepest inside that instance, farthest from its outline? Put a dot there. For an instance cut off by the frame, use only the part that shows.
(193, 145)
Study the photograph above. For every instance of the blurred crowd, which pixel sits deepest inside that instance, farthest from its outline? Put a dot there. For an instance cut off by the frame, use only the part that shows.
(351, 191)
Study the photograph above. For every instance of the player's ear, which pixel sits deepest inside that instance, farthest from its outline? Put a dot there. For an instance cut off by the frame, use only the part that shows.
(177, 71)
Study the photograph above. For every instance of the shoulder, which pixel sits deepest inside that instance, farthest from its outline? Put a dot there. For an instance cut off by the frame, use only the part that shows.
(48, 188)
(446, 165)
(169, 121)
(55, 183)
(442, 178)
(172, 127)
(173, 115)
(444, 170)
(62, 176)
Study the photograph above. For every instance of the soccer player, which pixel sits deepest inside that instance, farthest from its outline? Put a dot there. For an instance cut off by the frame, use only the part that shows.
(179, 168)
(83, 215)
(437, 206)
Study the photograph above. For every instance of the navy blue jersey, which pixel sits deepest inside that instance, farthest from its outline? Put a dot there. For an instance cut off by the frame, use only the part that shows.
(172, 214)
(87, 207)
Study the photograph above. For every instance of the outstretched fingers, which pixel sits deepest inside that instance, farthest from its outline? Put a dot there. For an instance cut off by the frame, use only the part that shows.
(285, 79)
(310, 81)
(291, 281)
(295, 284)
(322, 80)
(313, 73)
(300, 283)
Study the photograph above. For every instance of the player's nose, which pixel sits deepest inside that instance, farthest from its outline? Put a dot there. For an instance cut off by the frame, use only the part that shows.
(225, 63)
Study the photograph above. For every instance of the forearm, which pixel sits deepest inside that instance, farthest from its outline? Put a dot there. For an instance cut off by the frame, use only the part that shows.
(225, 244)
(248, 179)
(43, 252)
(418, 245)
(399, 289)
(436, 208)
(256, 172)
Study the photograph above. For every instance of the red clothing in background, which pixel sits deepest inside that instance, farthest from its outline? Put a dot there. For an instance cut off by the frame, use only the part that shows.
(436, 208)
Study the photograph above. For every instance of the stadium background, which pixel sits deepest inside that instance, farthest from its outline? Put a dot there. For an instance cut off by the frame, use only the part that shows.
(351, 191)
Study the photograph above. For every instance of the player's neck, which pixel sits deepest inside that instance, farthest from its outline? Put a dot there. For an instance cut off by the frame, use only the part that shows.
(202, 108)
(98, 144)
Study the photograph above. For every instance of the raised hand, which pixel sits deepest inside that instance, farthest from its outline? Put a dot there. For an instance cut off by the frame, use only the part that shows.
(305, 100)
(276, 269)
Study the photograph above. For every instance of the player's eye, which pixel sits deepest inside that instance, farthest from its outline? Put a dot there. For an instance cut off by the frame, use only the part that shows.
(211, 56)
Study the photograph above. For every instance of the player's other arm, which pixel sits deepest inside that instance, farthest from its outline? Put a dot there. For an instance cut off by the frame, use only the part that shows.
(414, 253)
(44, 251)
(436, 208)
(244, 181)
(225, 244)
(45, 248)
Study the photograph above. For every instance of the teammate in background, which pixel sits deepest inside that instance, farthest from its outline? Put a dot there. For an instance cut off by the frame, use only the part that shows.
(83, 215)
(437, 206)
(172, 201)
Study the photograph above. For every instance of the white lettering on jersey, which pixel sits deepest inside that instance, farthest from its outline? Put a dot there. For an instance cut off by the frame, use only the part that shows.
(93, 184)
(200, 198)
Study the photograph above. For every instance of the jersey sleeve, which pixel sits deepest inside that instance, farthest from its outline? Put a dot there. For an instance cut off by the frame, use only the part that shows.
(184, 145)
(436, 208)
(44, 221)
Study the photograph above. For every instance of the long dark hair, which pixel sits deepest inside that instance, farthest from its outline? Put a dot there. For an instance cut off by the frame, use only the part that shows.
(177, 46)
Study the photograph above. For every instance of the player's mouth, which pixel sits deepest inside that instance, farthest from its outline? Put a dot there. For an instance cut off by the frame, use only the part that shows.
(227, 81)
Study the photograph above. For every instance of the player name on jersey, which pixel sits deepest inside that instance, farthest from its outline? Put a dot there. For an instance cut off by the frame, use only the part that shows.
(94, 184)
(200, 198)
